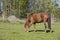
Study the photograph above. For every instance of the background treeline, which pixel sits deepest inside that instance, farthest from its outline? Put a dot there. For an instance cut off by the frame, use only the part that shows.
(20, 8)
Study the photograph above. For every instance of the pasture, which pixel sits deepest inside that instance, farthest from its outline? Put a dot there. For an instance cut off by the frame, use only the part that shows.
(16, 31)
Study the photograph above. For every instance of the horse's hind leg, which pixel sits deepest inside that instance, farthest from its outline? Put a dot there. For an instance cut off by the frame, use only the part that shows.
(45, 24)
(50, 28)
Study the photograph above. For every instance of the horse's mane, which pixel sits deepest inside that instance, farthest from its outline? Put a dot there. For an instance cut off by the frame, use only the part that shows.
(30, 14)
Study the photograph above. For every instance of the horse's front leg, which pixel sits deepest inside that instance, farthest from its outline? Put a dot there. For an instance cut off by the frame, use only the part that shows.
(27, 29)
(34, 27)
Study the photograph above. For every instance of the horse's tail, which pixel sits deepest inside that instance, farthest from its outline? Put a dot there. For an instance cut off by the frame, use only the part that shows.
(49, 21)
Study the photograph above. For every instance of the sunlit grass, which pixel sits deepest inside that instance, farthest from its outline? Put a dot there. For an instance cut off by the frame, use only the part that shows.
(16, 31)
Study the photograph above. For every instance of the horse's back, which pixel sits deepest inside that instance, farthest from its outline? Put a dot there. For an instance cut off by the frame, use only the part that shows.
(38, 17)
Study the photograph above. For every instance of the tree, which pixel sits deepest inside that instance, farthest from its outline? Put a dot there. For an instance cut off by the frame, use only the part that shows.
(20, 8)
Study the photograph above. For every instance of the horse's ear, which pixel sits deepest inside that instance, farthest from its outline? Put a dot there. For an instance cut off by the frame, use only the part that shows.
(28, 14)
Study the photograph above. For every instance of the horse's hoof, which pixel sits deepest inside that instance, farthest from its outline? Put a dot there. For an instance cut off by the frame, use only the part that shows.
(45, 31)
(52, 31)
(27, 31)
(35, 31)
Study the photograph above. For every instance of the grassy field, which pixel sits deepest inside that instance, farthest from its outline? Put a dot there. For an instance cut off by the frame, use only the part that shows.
(16, 31)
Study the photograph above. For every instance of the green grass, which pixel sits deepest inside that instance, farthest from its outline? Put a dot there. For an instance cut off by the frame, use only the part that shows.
(16, 31)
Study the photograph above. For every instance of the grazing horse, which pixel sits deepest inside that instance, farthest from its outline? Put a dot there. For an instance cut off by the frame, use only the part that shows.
(34, 18)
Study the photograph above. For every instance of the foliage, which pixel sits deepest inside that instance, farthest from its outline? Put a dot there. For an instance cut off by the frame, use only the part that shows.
(57, 13)
(23, 7)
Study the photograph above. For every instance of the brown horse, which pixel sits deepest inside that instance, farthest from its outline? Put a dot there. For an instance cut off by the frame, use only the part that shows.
(34, 18)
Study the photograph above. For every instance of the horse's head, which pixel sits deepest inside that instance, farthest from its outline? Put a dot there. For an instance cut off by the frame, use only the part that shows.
(27, 25)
